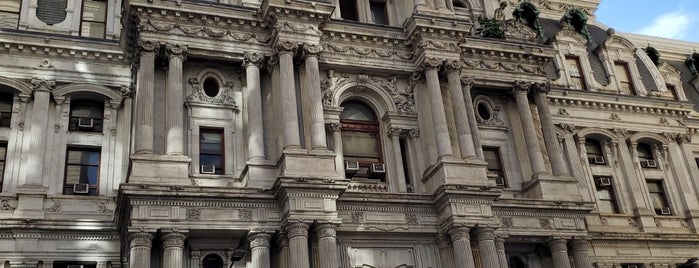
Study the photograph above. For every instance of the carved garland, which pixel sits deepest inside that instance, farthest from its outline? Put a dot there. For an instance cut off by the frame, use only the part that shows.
(403, 99)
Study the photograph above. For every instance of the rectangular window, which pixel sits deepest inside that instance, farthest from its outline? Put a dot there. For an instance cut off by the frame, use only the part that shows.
(348, 10)
(94, 18)
(86, 116)
(211, 153)
(379, 12)
(575, 73)
(82, 171)
(6, 109)
(595, 155)
(494, 165)
(621, 70)
(658, 197)
(605, 195)
(3, 156)
(9, 13)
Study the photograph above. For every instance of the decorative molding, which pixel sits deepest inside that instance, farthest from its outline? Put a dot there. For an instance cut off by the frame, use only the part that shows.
(56, 207)
(193, 214)
(103, 209)
(357, 217)
(224, 97)
(403, 99)
(6, 206)
(245, 214)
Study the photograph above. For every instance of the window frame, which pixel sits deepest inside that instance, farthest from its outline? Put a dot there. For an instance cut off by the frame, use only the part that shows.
(591, 156)
(73, 121)
(373, 127)
(384, 5)
(612, 195)
(6, 116)
(624, 66)
(501, 171)
(222, 147)
(663, 195)
(82, 18)
(580, 76)
(96, 186)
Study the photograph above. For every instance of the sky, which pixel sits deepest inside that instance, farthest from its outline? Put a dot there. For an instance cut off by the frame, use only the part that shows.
(676, 19)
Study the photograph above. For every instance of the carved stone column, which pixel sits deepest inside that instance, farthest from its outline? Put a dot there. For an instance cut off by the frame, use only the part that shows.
(461, 241)
(174, 112)
(558, 164)
(559, 253)
(486, 247)
(144, 97)
(37, 136)
(327, 246)
(502, 255)
(298, 245)
(399, 185)
(256, 141)
(536, 159)
(289, 110)
(318, 136)
(173, 245)
(139, 250)
(581, 256)
(259, 247)
(439, 118)
(463, 128)
(471, 115)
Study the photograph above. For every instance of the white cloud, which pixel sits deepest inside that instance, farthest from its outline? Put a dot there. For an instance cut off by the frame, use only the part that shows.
(675, 25)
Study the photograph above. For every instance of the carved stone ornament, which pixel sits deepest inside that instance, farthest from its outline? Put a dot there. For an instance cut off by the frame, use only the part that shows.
(467, 82)
(357, 217)
(193, 214)
(506, 222)
(460, 233)
(411, 218)
(484, 233)
(516, 30)
(403, 99)
(545, 223)
(614, 116)
(326, 230)
(224, 97)
(522, 86)
(175, 50)
(253, 59)
(259, 239)
(56, 207)
(43, 85)
(6, 206)
(620, 132)
(567, 127)
(453, 65)
(141, 240)
(297, 229)
(431, 63)
(173, 239)
(245, 214)
(312, 50)
(286, 46)
(413, 133)
(563, 111)
(148, 47)
(103, 209)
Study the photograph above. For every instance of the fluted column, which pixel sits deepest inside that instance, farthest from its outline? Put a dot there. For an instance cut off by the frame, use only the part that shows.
(174, 109)
(173, 245)
(558, 164)
(139, 250)
(327, 246)
(144, 97)
(461, 241)
(463, 128)
(536, 159)
(486, 247)
(559, 253)
(439, 118)
(256, 141)
(467, 84)
(298, 245)
(37, 136)
(581, 256)
(394, 134)
(318, 136)
(502, 255)
(287, 84)
(259, 247)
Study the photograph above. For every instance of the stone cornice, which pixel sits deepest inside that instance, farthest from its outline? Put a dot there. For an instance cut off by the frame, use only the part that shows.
(66, 47)
(621, 103)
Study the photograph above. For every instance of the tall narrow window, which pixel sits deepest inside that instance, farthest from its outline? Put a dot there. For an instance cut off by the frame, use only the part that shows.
(86, 116)
(3, 156)
(82, 171)
(595, 155)
(211, 153)
(361, 144)
(94, 18)
(379, 12)
(348, 10)
(645, 156)
(575, 73)
(605, 195)
(494, 165)
(658, 198)
(5, 109)
(621, 70)
(9, 13)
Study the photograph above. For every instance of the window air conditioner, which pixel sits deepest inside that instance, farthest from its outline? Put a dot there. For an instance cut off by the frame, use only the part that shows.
(665, 211)
(81, 188)
(377, 168)
(603, 181)
(597, 160)
(74, 266)
(85, 122)
(351, 168)
(649, 164)
(208, 169)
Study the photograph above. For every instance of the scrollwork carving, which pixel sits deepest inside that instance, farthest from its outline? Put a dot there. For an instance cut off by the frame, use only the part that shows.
(460, 233)
(193, 214)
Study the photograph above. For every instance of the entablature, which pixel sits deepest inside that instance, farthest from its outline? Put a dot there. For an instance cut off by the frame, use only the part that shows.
(614, 102)
(488, 61)
(54, 46)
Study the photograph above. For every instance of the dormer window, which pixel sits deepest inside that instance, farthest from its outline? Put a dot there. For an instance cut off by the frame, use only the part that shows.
(9, 13)
(86, 116)
(621, 70)
(94, 18)
(575, 72)
(5, 109)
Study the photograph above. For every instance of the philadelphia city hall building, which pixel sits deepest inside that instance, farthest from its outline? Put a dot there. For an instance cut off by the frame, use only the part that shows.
(343, 134)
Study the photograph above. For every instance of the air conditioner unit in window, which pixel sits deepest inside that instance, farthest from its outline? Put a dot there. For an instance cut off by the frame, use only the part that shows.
(208, 169)
(665, 211)
(74, 266)
(81, 188)
(377, 168)
(649, 164)
(603, 181)
(351, 168)
(597, 160)
(85, 122)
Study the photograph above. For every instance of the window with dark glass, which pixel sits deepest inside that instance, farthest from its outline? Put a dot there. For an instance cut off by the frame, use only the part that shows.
(212, 261)
(94, 18)
(379, 12)
(82, 171)
(348, 10)
(658, 197)
(71, 264)
(605, 195)
(211, 153)
(6, 109)
(595, 155)
(621, 70)
(86, 116)
(575, 73)
(458, 4)
(3, 156)
(361, 144)
(9, 13)
(645, 156)
(494, 165)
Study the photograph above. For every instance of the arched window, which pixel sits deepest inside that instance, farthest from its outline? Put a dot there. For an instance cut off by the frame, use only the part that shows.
(212, 261)
(361, 142)
(645, 155)
(595, 154)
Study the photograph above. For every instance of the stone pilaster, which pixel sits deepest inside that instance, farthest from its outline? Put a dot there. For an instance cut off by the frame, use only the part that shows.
(558, 164)
(463, 128)
(37, 136)
(439, 118)
(255, 129)
(467, 84)
(461, 241)
(173, 245)
(559, 253)
(502, 255)
(327, 246)
(317, 121)
(336, 129)
(140, 245)
(287, 90)
(144, 97)
(486, 247)
(581, 256)
(536, 158)
(174, 109)
(297, 234)
(399, 182)
(259, 247)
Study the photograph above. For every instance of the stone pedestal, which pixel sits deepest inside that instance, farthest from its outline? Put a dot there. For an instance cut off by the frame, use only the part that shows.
(173, 245)
(140, 245)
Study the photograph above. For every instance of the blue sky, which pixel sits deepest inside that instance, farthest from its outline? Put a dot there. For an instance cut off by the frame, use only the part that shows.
(676, 19)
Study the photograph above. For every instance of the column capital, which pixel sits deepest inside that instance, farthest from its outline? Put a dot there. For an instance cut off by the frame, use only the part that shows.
(541, 87)
(259, 239)
(579, 245)
(467, 82)
(453, 65)
(430, 64)
(394, 132)
(173, 239)
(253, 59)
(141, 239)
(484, 233)
(522, 86)
(148, 46)
(335, 126)
(176, 50)
(296, 229)
(460, 233)
(43, 85)
(326, 230)
(310, 50)
(286, 47)
(273, 61)
(413, 133)
(558, 244)
(500, 243)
